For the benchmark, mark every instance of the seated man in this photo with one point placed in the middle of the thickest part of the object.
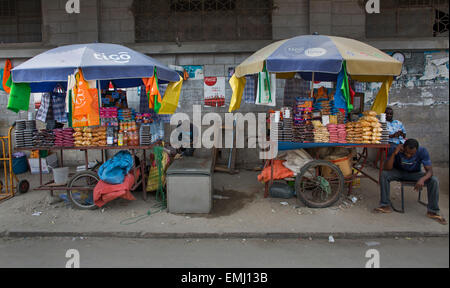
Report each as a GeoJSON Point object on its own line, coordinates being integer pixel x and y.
{"type": "Point", "coordinates": [404, 164]}
{"type": "Point", "coordinates": [397, 133]}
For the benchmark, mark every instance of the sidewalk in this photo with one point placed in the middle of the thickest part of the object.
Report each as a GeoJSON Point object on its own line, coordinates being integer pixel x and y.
{"type": "Point", "coordinates": [246, 214]}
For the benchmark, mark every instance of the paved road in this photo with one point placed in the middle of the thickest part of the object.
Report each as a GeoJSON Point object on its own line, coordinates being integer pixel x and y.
{"type": "Point", "coordinates": [212, 253]}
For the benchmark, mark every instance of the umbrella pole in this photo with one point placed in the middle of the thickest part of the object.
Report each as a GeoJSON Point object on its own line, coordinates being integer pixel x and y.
{"type": "Point", "coordinates": [312, 85]}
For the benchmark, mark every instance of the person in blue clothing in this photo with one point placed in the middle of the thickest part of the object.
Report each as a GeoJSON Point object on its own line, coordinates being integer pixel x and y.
{"type": "Point", "coordinates": [397, 133]}
{"type": "Point", "coordinates": [404, 164]}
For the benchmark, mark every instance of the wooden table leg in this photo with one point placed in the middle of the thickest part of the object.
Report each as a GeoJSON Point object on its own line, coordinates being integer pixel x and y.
{"type": "Point", "coordinates": [383, 154]}
{"type": "Point", "coordinates": [86, 159]}
{"type": "Point", "coordinates": [40, 169]}
{"type": "Point", "coordinates": [144, 187]}
{"type": "Point", "coordinates": [270, 182]}
{"type": "Point", "coordinates": [145, 157]}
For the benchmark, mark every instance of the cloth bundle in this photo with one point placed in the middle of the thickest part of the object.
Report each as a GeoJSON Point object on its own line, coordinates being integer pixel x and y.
{"type": "Point", "coordinates": [99, 136]}
{"type": "Point", "coordinates": [276, 128]}
{"type": "Point", "coordinates": [384, 134]}
{"type": "Point", "coordinates": [108, 116]}
{"type": "Point", "coordinates": [108, 112]}
{"type": "Point", "coordinates": [367, 130]}
{"type": "Point", "coordinates": [126, 114]}
{"type": "Point", "coordinates": [354, 132]}
{"type": "Point", "coordinates": [338, 133]}
{"type": "Point", "coordinates": [323, 106]}
{"type": "Point", "coordinates": [64, 137]}
{"type": "Point", "coordinates": [44, 138]}
{"type": "Point", "coordinates": [303, 130]}
{"type": "Point", "coordinates": [304, 133]}
{"type": "Point", "coordinates": [341, 117]}
{"type": "Point", "coordinates": [83, 137]}
{"type": "Point", "coordinates": [321, 134]}
{"type": "Point", "coordinates": [287, 132]}
{"type": "Point", "coordinates": [372, 130]}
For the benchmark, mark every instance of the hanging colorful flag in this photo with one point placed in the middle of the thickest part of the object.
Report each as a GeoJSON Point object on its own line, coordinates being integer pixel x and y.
{"type": "Point", "coordinates": [153, 94]}
{"type": "Point", "coordinates": [19, 97]}
{"type": "Point", "coordinates": [237, 85]}
{"type": "Point", "coordinates": [382, 98]}
{"type": "Point", "coordinates": [6, 79]}
{"type": "Point", "coordinates": [345, 89]}
{"type": "Point", "coordinates": [171, 98]}
{"type": "Point", "coordinates": [1, 79]}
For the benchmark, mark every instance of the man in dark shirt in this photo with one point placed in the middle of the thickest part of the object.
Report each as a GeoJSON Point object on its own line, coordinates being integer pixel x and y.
{"type": "Point", "coordinates": [404, 164]}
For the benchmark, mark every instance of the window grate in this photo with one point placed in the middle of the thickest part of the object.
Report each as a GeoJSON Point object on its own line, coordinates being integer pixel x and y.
{"type": "Point", "coordinates": [409, 18]}
{"type": "Point", "coordinates": [200, 20]}
{"type": "Point", "coordinates": [7, 8]}
{"type": "Point", "coordinates": [20, 21]}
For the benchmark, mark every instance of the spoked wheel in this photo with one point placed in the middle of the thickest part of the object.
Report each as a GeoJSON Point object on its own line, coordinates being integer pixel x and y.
{"type": "Point", "coordinates": [81, 192]}
{"type": "Point", "coordinates": [319, 184]}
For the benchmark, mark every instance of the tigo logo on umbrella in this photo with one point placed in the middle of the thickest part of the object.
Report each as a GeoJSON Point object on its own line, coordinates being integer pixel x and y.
{"type": "Point", "coordinates": [315, 52]}
{"type": "Point", "coordinates": [121, 57]}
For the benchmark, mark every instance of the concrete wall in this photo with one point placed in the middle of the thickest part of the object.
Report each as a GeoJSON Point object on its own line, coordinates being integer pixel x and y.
{"type": "Point", "coordinates": [290, 18]}
{"type": "Point", "coordinates": [61, 28]}
{"type": "Point", "coordinates": [112, 21]}
{"type": "Point", "coordinates": [420, 100]}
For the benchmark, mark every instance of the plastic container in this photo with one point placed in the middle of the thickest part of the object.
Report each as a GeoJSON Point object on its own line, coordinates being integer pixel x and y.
{"type": "Point", "coordinates": [20, 165]}
{"type": "Point", "coordinates": [61, 175]}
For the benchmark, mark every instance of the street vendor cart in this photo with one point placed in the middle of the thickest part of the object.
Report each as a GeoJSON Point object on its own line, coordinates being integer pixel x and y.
{"type": "Point", "coordinates": [102, 66]}
{"type": "Point", "coordinates": [318, 58]}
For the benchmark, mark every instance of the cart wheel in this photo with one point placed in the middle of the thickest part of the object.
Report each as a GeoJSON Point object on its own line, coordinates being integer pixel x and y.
{"type": "Point", "coordinates": [23, 187]}
{"type": "Point", "coordinates": [319, 184]}
{"type": "Point", "coordinates": [82, 187]}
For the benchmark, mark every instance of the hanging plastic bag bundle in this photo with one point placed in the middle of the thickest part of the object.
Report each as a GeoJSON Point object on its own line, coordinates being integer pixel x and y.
{"type": "Point", "coordinates": [85, 103]}
{"type": "Point", "coordinates": [266, 90]}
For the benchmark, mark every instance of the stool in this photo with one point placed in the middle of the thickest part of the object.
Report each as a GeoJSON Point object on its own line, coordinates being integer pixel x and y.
{"type": "Point", "coordinates": [403, 185]}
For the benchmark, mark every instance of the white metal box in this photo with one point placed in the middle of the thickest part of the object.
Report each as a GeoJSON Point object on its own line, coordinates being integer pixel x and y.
{"type": "Point", "coordinates": [190, 186]}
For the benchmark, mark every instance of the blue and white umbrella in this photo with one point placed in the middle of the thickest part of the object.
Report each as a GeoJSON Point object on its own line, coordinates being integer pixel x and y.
{"type": "Point", "coordinates": [99, 61]}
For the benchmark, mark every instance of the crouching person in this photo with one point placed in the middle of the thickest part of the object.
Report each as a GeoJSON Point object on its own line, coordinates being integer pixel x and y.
{"type": "Point", "coordinates": [404, 164]}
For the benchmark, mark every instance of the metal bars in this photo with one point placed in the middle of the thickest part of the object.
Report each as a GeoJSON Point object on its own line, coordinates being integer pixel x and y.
{"type": "Point", "coordinates": [202, 20]}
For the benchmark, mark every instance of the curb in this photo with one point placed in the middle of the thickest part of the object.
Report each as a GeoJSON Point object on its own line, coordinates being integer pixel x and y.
{"type": "Point", "coordinates": [231, 235]}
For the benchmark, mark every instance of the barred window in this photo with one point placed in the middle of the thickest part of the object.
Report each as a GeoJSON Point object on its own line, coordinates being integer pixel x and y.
{"type": "Point", "coordinates": [409, 18]}
{"type": "Point", "coordinates": [20, 21]}
{"type": "Point", "coordinates": [200, 20]}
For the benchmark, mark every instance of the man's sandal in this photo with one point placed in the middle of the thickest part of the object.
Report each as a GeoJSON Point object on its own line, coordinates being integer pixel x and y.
{"type": "Point", "coordinates": [385, 209]}
{"type": "Point", "coordinates": [438, 218]}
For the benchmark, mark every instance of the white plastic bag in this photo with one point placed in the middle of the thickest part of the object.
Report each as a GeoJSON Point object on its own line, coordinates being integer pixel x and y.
{"type": "Point", "coordinates": [266, 89]}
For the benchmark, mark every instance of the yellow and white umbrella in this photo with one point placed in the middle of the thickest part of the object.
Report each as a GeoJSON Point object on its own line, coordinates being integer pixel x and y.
{"type": "Point", "coordinates": [319, 58]}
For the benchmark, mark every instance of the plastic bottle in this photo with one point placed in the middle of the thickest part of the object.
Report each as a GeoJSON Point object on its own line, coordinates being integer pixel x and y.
{"type": "Point", "coordinates": [161, 131]}
{"type": "Point", "coordinates": [110, 136]}
{"type": "Point", "coordinates": [125, 138]}
{"type": "Point", "coordinates": [120, 140]}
